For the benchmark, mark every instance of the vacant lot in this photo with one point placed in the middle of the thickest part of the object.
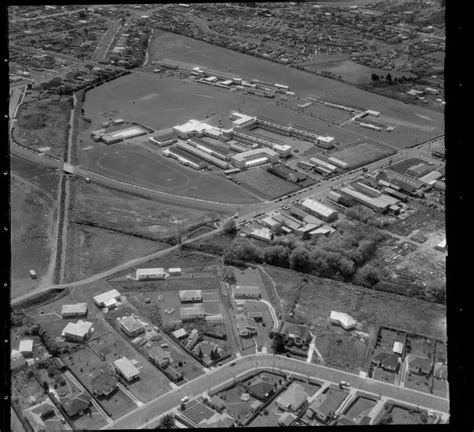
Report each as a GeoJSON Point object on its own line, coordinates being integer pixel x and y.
{"type": "Point", "coordinates": [44, 124]}
{"type": "Point", "coordinates": [33, 198]}
{"type": "Point", "coordinates": [261, 182]}
{"type": "Point", "coordinates": [91, 250]}
{"type": "Point", "coordinates": [110, 208]}
{"type": "Point", "coordinates": [383, 375]}
{"type": "Point", "coordinates": [137, 165]}
{"type": "Point", "coordinates": [362, 154]}
{"type": "Point", "coordinates": [318, 297]}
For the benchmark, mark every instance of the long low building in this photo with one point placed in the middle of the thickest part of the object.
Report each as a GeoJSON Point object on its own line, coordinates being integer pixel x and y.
{"type": "Point", "coordinates": [250, 137]}
{"type": "Point", "coordinates": [377, 203]}
{"type": "Point", "coordinates": [123, 134]}
{"type": "Point", "coordinates": [151, 274]}
{"type": "Point", "coordinates": [261, 155]}
{"type": "Point", "coordinates": [324, 212]}
{"type": "Point", "coordinates": [319, 162]}
{"type": "Point", "coordinates": [184, 158]}
{"type": "Point", "coordinates": [74, 310]}
{"type": "Point", "coordinates": [220, 151]}
{"type": "Point", "coordinates": [204, 155]}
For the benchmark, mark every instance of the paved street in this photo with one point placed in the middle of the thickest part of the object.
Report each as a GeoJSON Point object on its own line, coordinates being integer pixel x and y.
{"type": "Point", "coordinates": [152, 410]}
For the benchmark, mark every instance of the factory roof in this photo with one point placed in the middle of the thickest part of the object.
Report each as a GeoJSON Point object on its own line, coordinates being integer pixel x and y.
{"type": "Point", "coordinates": [318, 207]}
{"type": "Point", "coordinates": [193, 126]}
{"type": "Point", "coordinates": [240, 157]}
{"type": "Point", "coordinates": [376, 202]}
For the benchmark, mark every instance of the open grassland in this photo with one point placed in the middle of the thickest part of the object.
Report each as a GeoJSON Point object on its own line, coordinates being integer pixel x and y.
{"type": "Point", "coordinates": [176, 47]}
{"type": "Point", "coordinates": [121, 211]}
{"type": "Point", "coordinates": [317, 297]}
{"type": "Point", "coordinates": [33, 207]}
{"type": "Point", "coordinates": [44, 124]}
{"type": "Point", "coordinates": [91, 250]}
{"type": "Point", "coordinates": [137, 165]}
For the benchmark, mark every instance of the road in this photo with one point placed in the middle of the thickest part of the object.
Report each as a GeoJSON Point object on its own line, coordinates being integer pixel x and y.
{"type": "Point", "coordinates": [151, 411]}
{"type": "Point", "coordinates": [104, 45]}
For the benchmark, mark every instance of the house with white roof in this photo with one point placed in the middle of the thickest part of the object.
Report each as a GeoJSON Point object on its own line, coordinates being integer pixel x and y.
{"type": "Point", "coordinates": [342, 319]}
{"type": "Point", "coordinates": [78, 332]}
{"type": "Point", "coordinates": [108, 299]}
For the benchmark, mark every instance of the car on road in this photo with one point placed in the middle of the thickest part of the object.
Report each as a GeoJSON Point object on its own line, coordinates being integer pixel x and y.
{"type": "Point", "coordinates": [343, 384]}
{"type": "Point", "coordinates": [233, 363]}
{"type": "Point", "coordinates": [184, 399]}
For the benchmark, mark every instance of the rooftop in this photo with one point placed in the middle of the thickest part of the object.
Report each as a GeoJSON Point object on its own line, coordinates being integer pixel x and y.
{"type": "Point", "coordinates": [77, 309]}
{"type": "Point", "coordinates": [318, 207]}
{"type": "Point", "coordinates": [107, 296]}
{"type": "Point", "coordinates": [126, 368]}
{"type": "Point", "coordinates": [293, 397]}
{"type": "Point", "coordinates": [80, 329]}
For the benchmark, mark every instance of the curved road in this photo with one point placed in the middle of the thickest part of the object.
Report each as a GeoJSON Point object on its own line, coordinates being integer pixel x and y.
{"type": "Point", "coordinates": [152, 411]}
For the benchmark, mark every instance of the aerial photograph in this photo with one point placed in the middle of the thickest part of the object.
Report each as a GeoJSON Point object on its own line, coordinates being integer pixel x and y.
{"type": "Point", "coordinates": [227, 215]}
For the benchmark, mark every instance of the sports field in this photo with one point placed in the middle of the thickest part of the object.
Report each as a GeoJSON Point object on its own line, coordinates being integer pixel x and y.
{"type": "Point", "coordinates": [140, 166]}
{"type": "Point", "coordinates": [169, 45]}
{"type": "Point", "coordinates": [362, 154]}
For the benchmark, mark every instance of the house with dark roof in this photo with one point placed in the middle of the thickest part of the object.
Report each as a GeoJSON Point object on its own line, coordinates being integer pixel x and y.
{"type": "Point", "coordinates": [217, 403]}
{"type": "Point", "coordinates": [104, 383]}
{"type": "Point", "coordinates": [76, 406]}
{"type": "Point", "coordinates": [391, 362]}
{"type": "Point", "coordinates": [326, 404]}
{"type": "Point", "coordinates": [159, 357]}
{"type": "Point", "coordinates": [299, 334]}
{"type": "Point", "coordinates": [419, 365]}
{"type": "Point", "coordinates": [260, 389]}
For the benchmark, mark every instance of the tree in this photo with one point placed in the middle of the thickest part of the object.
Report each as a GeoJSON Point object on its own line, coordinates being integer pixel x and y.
{"type": "Point", "coordinates": [368, 276]}
{"type": "Point", "coordinates": [277, 229]}
{"type": "Point", "coordinates": [167, 422]}
{"type": "Point", "coordinates": [276, 255]}
{"type": "Point", "coordinates": [230, 226]}
{"type": "Point", "coordinates": [374, 77]}
{"type": "Point", "coordinates": [299, 259]}
{"type": "Point", "coordinates": [388, 77]}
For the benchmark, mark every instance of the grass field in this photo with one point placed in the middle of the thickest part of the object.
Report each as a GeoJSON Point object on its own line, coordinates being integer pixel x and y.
{"type": "Point", "coordinates": [320, 296]}
{"type": "Point", "coordinates": [260, 181]}
{"type": "Point", "coordinates": [33, 207]}
{"type": "Point", "coordinates": [135, 164]}
{"type": "Point", "coordinates": [176, 47]}
{"type": "Point", "coordinates": [44, 124]}
{"type": "Point", "coordinates": [91, 250]}
{"type": "Point", "coordinates": [114, 209]}
{"type": "Point", "coordinates": [362, 154]}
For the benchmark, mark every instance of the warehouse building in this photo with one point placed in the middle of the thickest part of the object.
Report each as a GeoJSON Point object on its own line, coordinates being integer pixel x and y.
{"type": "Point", "coordinates": [123, 134]}
{"type": "Point", "coordinates": [304, 133]}
{"type": "Point", "coordinates": [126, 369]}
{"type": "Point", "coordinates": [431, 178]}
{"type": "Point", "coordinates": [380, 204]}
{"type": "Point", "coordinates": [242, 120]}
{"type": "Point", "coordinates": [339, 163]}
{"type": "Point", "coordinates": [274, 125]}
{"type": "Point", "coordinates": [249, 137]}
{"type": "Point", "coordinates": [193, 127]}
{"type": "Point", "coordinates": [367, 190]}
{"type": "Point", "coordinates": [319, 162]}
{"type": "Point", "coordinates": [325, 142]}
{"type": "Point", "coordinates": [205, 155]}
{"type": "Point", "coordinates": [219, 151]}
{"type": "Point", "coordinates": [184, 158]}
{"type": "Point", "coordinates": [287, 221]}
{"type": "Point", "coordinates": [254, 157]}
{"type": "Point", "coordinates": [419, 170]}
{"type": "Point", "coordinates": [163, 138]}
{"type": "Point", "coordinates": [327, 214]}
{"type": "Point", "coordinates": [74, 310]}
{"type": "Point", "coordinates": [108, 299]}
{"type": "Point", "coordinates": [395, 194]}
{"type": "Point", "coordinates": [151, 274]}
{"type": "Point", "coordinates": [287, 173]}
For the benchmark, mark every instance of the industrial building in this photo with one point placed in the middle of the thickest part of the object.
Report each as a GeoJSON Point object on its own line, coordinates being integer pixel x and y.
{"type": "Point", "coordinates": [126, 369]}
{"type": "Point", "coordinates": [163, 138]}
{"type": "Point", "coordinates": [250, 137]}
{"type": "Point", "coordinates": [194, 127]}
{"type": "Point", "coordinates": [319, 162]}
{"type": "Point", "coordinates": [365, 189]}
{"type": "Point", "coordinates": [419, 170]}
{"type": "Point", "coordinates": [151, 274]}
{"type": "Point", "coordinates": [339, 163]}
{"type": "Point", "coordinates": [254, 157]}
{"type": "Point", "coordinates": [198, 150]}
{"type": "Point", "coordinates": [123, 134]}
{"type": "Point", "coordinates": [274, 125]}
{"type": "Point", "coordinates": [327, 214]}
{"type": "Point", "coordinates": [184, 158]}
{"type": "Point", "coordinates": [378, 203]}
{"type": "Point", "coordinates": [287, 173]}
{"type": "Point", "coordinates": [74, 310]}
{"type": "Point", "coordinates": [219, 151]}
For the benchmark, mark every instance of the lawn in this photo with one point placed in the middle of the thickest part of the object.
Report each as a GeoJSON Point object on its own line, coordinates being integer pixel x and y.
{"type": "Point", "coordinates": [362, 154]}
{"type": "Point", "coordinates": [91, 250]}
{"type": "Point", "coordinates": [440, 388]}
{"type": "Point", "coordinates": [43, 124]}
{"type": "Point", "coordinates": [418, 382]}
{"type": "Point", "coordinates": [33, 201]}
{"type": "Point", "coordinates": [401, 415]}
{"type": "Point", "coordinates": [386, 339]}
{"type": "Point", "coordinates": [129, 213]}
{"type": "Point", "coordinates": [26, 392]}
{"type": "Point", "coordinates": [420, 346]}
{"type": "Point", "coordinates": [259, 181]}
{"type": "Point", "coordinates": [237, 408]}
{"type": "Point", "coordinates": [318, 297]}
{"type": "Point", "coordinates": [382, 375]}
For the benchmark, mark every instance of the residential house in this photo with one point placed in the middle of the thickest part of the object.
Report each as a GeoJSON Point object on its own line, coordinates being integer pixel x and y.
{"type": "Point", "coordinates": [286, 419]}
{"type": "Point", "coordinates": [298, 334]}
{"type": "Point", "coordinates": [17, 361]}
{"type": "Point", "coordinates": [159, 357]}
{"type": "Point", "coordinates": [247, 292]}
{"type": "Point", "coordinates": [419, 365]}
{"type": "Point", "coordinates": [441, 371]}
{"type": "Point", "coordinates": [180, 333]}
{"type": "Point", "coordinates": [325, 405]}
{"type": "Point", "coordinates": [342, 319]}
{"type": "Point", "coordinates": [108, 299]}
{"type": "Point", "coordinates": [293, 398]}
{"type": "Point", "coordinates": [76, 406]}
{"type": "Point", "coordinates": [190, 296]}
{"type": "Point", "coordinates": [74, 310]}
{"type": "Point", "coordinates": [398, 348]}
{"type": "Point", "coordinates": [78, 332]}
{"type": "Point", "coordinates": [192, 312]}
{"type": "Point", "coordinates": [104, 383]}
{"type": "Point", "coordinates": [126, 369]}
{"type": "Point", "coordinates": [217, 403]}
{"type": "Point", "coordinates": [192, 340]}
{"type": "Point", "coordinates": [245, 326]}
{"type": "Point", "coordinates": [26, 347]}
{"type": "Point", "coordinates": [131, 326]}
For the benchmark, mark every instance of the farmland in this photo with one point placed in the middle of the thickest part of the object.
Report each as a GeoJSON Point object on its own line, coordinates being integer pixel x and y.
{"type": "Point", "coordinates": [33, 214]}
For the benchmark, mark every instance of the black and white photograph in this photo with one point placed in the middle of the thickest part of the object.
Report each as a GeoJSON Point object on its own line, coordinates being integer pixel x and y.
{"type": "Point", "coordinates": [227, 215]}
